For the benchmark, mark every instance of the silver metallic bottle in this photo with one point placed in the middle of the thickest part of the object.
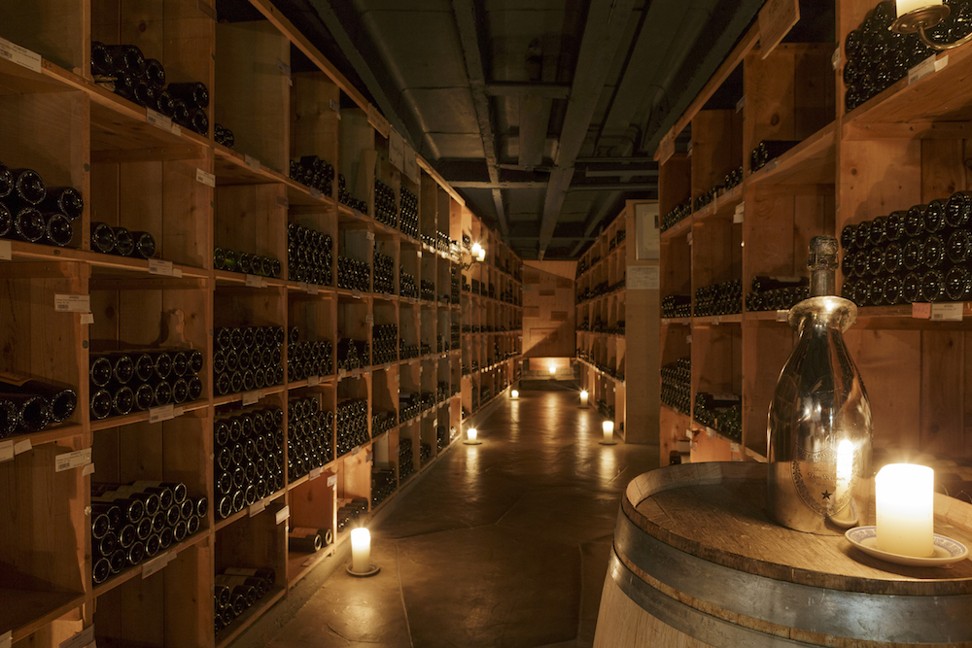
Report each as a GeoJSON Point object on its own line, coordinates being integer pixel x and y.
{"type": "Point", "coordinates": [819, 427]}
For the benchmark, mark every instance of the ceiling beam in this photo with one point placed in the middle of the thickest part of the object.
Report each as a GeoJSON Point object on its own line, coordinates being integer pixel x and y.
{"type": "Point", "coordinates": [467, 23]}
{"type": "Point", "coordinates": [532, 88]}
{"type": "Point", "coordinates": [500, 184]}
{"type": "Point", "coordinates": [605, 22]}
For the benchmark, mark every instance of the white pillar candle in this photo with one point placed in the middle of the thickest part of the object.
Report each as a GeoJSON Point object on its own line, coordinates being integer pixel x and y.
{"type": "Point", "coordinates": [552, 369]}
{"type": "Point", "coordinates": [608, 428]}
{"type": "Point", "coordinates": [845, 469]}
{"type": "Point", "coordinates": [514, 393]}
{"type": "Point", "coordinates": [905, 496]}
{"type": "Point", "coordinates": [583, 397]}
{"type": "Point", "coordinates": [471, 434]}
{"type": "Point", "coordinates": [360, 550]}
{"type": "Point", "coordinates": [905, 6]}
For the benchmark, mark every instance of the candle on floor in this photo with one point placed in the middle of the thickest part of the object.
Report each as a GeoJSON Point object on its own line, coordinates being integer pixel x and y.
{"type": "Point", "coordinates": [905, 6]}
{"type": "Point", "coordinates": [608, 428]}
{"type": "Point", "coordinates": [583, 397]}
{"type": "Point", "coordinates": [471, 434]}
{"type": "Point", "coordinates": [514, 394]}
{"type": "Point", "coordinates": [360, 550]}
{"type": "Point", "coordinates": [552, 369]}
{"type": "Point", "coordinates": [905, 496]}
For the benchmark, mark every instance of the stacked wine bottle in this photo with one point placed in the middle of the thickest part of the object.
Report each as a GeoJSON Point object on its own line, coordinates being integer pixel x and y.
{"type": "Point", "coordinates": [133, 522]}
{"type": "Point", "coordinates": [247, 358]}
{"type": "Point", "coordinates": [406, 465]}
{"type": "Point", "coordinates": [454, 283]}
{"type": "Point", "coordinates": [426, 290]}
{"type": "Point", "coordinates": [722, 413]}
{"type": "Point", "coordinates": [33, 212]}
{"type": "Point", "coordinates": [309, 255]}
{"type": "Point", "coordinates": [720, 298]}
{"type": "Point", "coordinates": [676, 385]}
{"type": "Point", "coordinates": [123, 382]}
{"type": "Point", "coordinates": [313, 172]}
{"type": "Point", "coordinates": [383, 483]}
{"type": "Point", "coordinates": [768, 150]}
{"type": "Point", "coordinates": [441, 437]}
{"type": "Point", "coordinates": [408, 217]}
{"type": "Point", "coordinates": [353, 274]}
{"type": "Point", "coordinates": [224, 136]}
{"type": "Point", "coordinates": [120, 241]}
{"type": "Point", "coordinates": [384, 273]}
{"type": "Point", "coordinates": [384, 343]}
{"type": "Point", "coordinates": [352, 425]}
{"type": "Point", "coordinates": [386, 207]}
{"type": "Point", "coordinates": [350, 510]}
{"type": "Point", "coordinates": [919, 255]}
{"type": "Point", "coordinates": [425, 452]}
{"type": "Point", "coordinates": [308, 539]}
{"type": "Point", "coordinates": [345, 197]}
{"type": "Point", "coordinates": [454, 334]}
{"type": "Point", "coordinates": [248, 451]}
{"type": "Point", "coordinates": [406, 285]}
{"type": "Point", "coordinates": [309, 434]}
{"type": "Point", "coordinates": [382, 421]}
{"type": "Point", "coordinates": [306, 358]}
{"type": "Point", "coordinates": [246, 263]}
{"type": "Point", "coordinates": [237, 589]}
{"type": "Point", "coordinates": [407, 350]}
{"type": "Point", "coordinates": [676, 214]}
{"type": "Point", "coordinates": [29, 404]}
{"type": "Point", "coordinates": [353, 354]}
{"type": "Point", "coordinates": [143, 80]}
{"type": "Point", "coordinates": [776, 293]}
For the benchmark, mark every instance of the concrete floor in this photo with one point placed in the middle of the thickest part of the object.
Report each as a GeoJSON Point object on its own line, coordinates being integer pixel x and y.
{"type": "Point", "coordinates": [501, 544]}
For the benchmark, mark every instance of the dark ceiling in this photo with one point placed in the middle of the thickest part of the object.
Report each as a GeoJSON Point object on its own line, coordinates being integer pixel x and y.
{"type": "Point", "coordinates": [543, 114]}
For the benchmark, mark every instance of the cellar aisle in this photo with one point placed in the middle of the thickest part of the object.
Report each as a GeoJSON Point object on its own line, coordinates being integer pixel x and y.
{"type": "Point", "coordinates": [500, 544]}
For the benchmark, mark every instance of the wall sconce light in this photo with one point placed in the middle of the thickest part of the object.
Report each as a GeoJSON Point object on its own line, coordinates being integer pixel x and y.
{"type": "Point", "coordinates": [918, 16]}
{"type": "Point", "coordinates": [472, 437]}
{"type": "Point", "coordinates": [361, 564]}
{"type": "Point", "coordinates": [584, 396]}
{"type": "Point", "coordinates": [477, 254]}
{"type": "Point", "coordinates": [607, 428]}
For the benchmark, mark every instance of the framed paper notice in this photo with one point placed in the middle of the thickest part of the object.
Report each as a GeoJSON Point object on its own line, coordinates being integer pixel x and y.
{"type": "Point", "coordinates": [647, 239]}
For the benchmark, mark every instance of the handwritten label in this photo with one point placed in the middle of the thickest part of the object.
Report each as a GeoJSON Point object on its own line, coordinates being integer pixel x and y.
{"type": "Point", "coordinates": [256, 508]}
{"type": "Point", "coordinates": [947, 312]}
{"type": "Point", "coordinates": [87, 318]}
{"type": "Point", "coordinates": [6, 451]}
{"type": "Point", "coordinates": [157, 564]}
{"type": "Point", "coordinates": [160, 267]}
{"type": "Point", "coordinates": [83, 639]}
{"type": "Point", "coordinates": [6, 251]}
{"type": "Point", "coordinates": [737, 216]}
{"type": "Point", "coordinates": [164, 413]}
{"type": "Point", "coordinates": [206, 178]}
{"type": "Point", "coordinates": [313, 381]}
{"type": "Point", "coordinates": [70, 460]}
{"type": "Point", "coordinates": [88, 470]}
{"type": "Point", "coordinates": [158, 120]}
{"type": "Point", "coordinates": [642, 277]}
{"type": "Point", "coordinates": [930, 65]}
{"type": "Point", "coordinates": [776, 18]}
{"type": "Point", "coordinates": [283, 515]}
{"type": "Point", "coordinates": [255, 281]}
{"type": "Point", "coordinates": [20, 55]}
{"type": "Point", "coordinates": [331, 481]}
{"type": "Point", "coordinates": [921, 311]}
{"type": "Point", "coordinates": [315, 473]}
{"type": "Point", "coordinates": [251, 397]}
{"type": "Point", "coordinates": [72, 303]}
{"type": "Point", "coordinates": [835, 59]}
{"type": "Point", "coordinates": [22, 446]}
{"type": "Point", "coordinates": [252, 162]}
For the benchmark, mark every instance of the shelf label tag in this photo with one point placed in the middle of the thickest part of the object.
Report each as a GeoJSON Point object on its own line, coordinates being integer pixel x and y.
{"type": "Point", "coordinates": [310, 289]}
{"type": "Point", "coordinates": [331, 481]}
{"type": "Point", "coordinates": [782, 315]}
{"type": "Point", "coordinates": [157, 564]}
{"type": "Point", "coordinates": [70, 460]}
{"type": "Point", "coordinates": [158, 120]}
{"type": "Point", "coordinates": [356, 294]}
{"type": "Point", "coordinates": [206, 178]}
{"type": "Point", "coordinates": [835, 59]}
{"type": "Point", "coordinates": [317, 194]}
{"type": "Point", "coordinates": [315, 473]}
{"type": "Point", "coordinates": [255, 281]}
{"type": "Point", "coordinates": [734, 447]}
{"type": "Point", "coordinates": [258, 507]}
{"type": "Point", "coordinates": [87, 318]}
{"type": "Point", "coordinates": [371, 236]}
{"type": "Point", "coordinates": [83, 639]}
{"type": "Point", "coordinates": [72, 303]}
{"type": "Point", "coordinates": [161, 267]}
{"type": "Point", "coordinates": [741, 104]}
{"type": "Point", "coordinates": [688, 238]}
{"type": "Point", "coordinates": [920, 310]}
{"type": "Point", "coordinates": [930, 65]}
{"type": "Point", "coordinates": [251, 397]}
{"type": "Point", "coordinates": [6, 251]}
{"type": "Point", "coordinates": [951, 312]}
{"type": "Point", "coordinates": [737, 216]}
{"type": "Point", "coordinates": [164, 413]}
{"type": "Point", "coordinates": [6, 451]}
{"type": "Point", "coordinates": [21, 56]}
{"type": "Point", "coordinates": [355, 450]}
{"type": "Point", "coordinates": [283, 515]}
{"type": "Point", "coordinates": [88, 470]}
{"type": "Point", "coordinates": [333, 105]}
{"type": "Point", "coordinates": [313, 381]}
{"type": "Point", "coordinates": [252, 162]}
{"type": "Point", "coordinates": [22, 446]}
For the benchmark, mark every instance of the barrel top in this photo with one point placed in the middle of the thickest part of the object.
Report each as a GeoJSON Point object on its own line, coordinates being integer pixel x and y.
{"type": "Point", "coordinates": [717, 511]}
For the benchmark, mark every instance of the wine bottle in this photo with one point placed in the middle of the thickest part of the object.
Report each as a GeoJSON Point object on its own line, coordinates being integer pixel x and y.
{"type": "Point", "coordinates": [29, 225]}
{"type": "Point", "coordinates": [63, 398]}
{"type": "Point", "coordinates": [124, 243]}
{"type": "Point", "coordinates": [958, 210]}
{"type": "Point", "coordinates": [66, 200]}
{"type": "Point", "coordinates": [58, 229]}
{"type": "Point", "coordinates": [305, 540]}
{"type": "Point", "coordinates": [154, 73]}
{"type": "Point", "coordinates": [6, 221]}
{"type": "Point", "coordinates": [191, 92]}
{"type": "Point", "coordinates": [34, 411]}
{"type": "Point", "coordinates": [102, 237]}
{"type": "Point", "coordinates": [28, 186]}
{"type": "Point", "coordinates": [126, 58]}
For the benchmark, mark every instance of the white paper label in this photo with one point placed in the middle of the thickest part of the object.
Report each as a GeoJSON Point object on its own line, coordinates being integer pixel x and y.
{"type": "Point", "coordinates": [6, 451]}
{"type": "Point", "coordinates": [206, 178]}
{"type": "Point", "coordinates": [87, 318]}
{"type": "Point", "coordinates": [356, 294]}
{"type": "Point", "coordinates": [929, 66]}
{"type": "Point", "coordinates": [251, 397]}
{"type": "Point", "coordinates": [164, 413]}
{"type": "Point", "coordinates": [6, 251]}
{"type": "Point", "coordinates": [316, 193]}
{"type": "Point", "coordinates": [283, 515]}
{"type": "Point", "coordinates": [737, 216]}
{"type": "Point", "coordinates": [158, 120]}
{"type": "Point", "coordinates": [255, 281]}
{"type": "Point", "coordinates": [418, 253]}
{"type": "Point", "coordinates": [947, 312]}
{"type": "Point", "coordinates": [83, 639]}
{"type": "Point", "coordinates": [6, 639]}
{"type": "Point", "coordinates": [252, 162]}
{"type": "Point", "coordinates": [921, 310]}
{"type": "Point", "coordinates": [740, 104]}
{"type": "Point", "coordinates": [331, 481]}
{"type": "Point", "coordinates": [333, 105]}
{"type": "Point", "coordinates": [21, 56]}
{"type": "Point", "coordinates": [313, 381]}
{"type": "Point", "coordinates": [72, 303]}
{"type": "Point", "coordinates": [355, 450]}
{"type": "Point", "coordinates": [734, 447]}
{"type": "Point", "coordinates": [160, 267]}
{"type": "Point", "coordinates": [70, 460]}
{"type": "Point", "coordinates": [88, 470]}
{"type": "Point", "coordinates": [315, 473]}
{"type": "Point", "coordinates": [835, 59]}
{"type": "Point", "coordinates": [371, 236]}
{"type": "Point", "coordinates": [258, 507]}
{"type": "Point", "coordinates": [782, 315]}
{"type": "Point", "coordinates": [688, 238]}
{"type": "Point", "coordinates": [22, 446]}
{"type": "Point", "coordinates": [156, 564]}
{"type": "Point", "coordinates": [311, 289]}
{"type": "Point", "coordinates": [642, 278]}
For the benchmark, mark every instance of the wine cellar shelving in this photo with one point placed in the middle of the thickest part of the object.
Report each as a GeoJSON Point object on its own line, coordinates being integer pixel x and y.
{"type": "Point", "coordinates": [817, 156]}
{"type": "Point", "coordinates": [313, 403]}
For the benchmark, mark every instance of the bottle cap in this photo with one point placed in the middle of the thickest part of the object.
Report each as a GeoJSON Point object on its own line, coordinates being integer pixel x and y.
{"type": "Point", "coordinates": [823, 253]}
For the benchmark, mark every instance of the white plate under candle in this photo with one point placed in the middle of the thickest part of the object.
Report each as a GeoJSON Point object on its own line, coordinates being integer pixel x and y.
{"type": "Point", "coordinates": [947, 551]}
